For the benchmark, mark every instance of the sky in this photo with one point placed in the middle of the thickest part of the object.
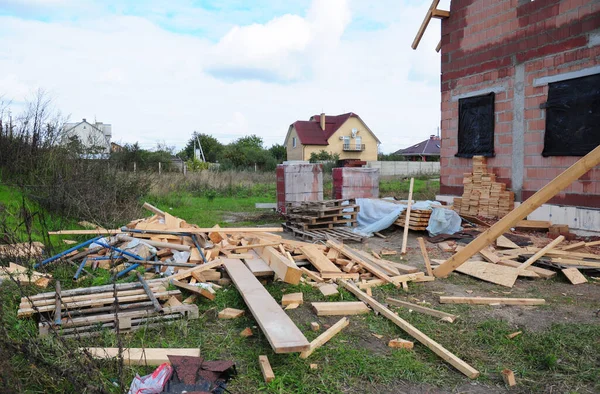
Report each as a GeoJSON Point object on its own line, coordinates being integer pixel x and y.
{"type": "Point", "coordinates": [159, 70]}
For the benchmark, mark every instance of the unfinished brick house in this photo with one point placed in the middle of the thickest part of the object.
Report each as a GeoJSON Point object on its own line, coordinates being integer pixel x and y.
{"type": "Point", "coordinates": [520, 85]}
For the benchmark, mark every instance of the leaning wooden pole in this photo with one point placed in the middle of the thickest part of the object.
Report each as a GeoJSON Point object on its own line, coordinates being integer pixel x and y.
{"type": "Point", "coordinates": [558, 184]}
{"type": "Point", "coordinates": [407, 222]}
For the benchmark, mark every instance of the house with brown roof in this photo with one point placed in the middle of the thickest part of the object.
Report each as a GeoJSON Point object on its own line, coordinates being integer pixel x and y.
{"type": "Point", "coordinates": [346, 134]}
{"type": "Point", "coordinates": [428, 150]}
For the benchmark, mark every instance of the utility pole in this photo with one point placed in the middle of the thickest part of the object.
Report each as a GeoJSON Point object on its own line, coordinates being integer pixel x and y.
{"type": "Point", "coordinates": [200, 147]}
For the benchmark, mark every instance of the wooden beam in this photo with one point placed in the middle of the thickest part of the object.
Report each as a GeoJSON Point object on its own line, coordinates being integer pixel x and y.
{"type": "Point", "coordinates": [540, 253]}
{"type": "Point", "coordinates": [424, 24]}
{"type": "Point", "coordinates": [421, 309]}
{"type": "Point", "coordinates": [533, 224]}
{"type": "Point", "coordinates": [407, 221]}
{"type": "Point", "coordinates": [153, 209]}
{"type": "Point", "coordinates": [344, 308]}
{"type": "Point", "coordinates": [325, 337]}
{"type": "Point", "coordinates": [413, 331]}
{"type": "Point", "coordinates": [425, 256]}
{"type": "Point", "coordinates": [141, 356]}
{"type": "Point", "coordinates": [284, 268]}
{"type": "Point", "coordinates": [206, 293]}
{"type": "Point", "coordinates": [279, 329]}
{"type": "Point", "coordinates": [318, 259]}
{"type": "Point", "coordinates": [416, 277]}
{"type": "Point", "coordinates": [440, 14]}
{"type": "Point", "coordinates": [266, 369]}
{"type": "Point", "coordinates": [559, 183]}
{"type": "Point", "coordinates": [574, 246]}
{"type": "Point", "coordinates": [491, 300]}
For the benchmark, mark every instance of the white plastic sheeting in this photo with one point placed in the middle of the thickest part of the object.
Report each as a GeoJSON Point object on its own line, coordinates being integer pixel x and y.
{"type": "Point", "coordinates": [378, 214]}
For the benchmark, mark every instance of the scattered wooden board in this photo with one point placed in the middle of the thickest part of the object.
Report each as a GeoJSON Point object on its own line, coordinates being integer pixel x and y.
{"type": "Point", "coordinates": [280, 330]}
{"type": "Point", "coordinates": [491, 300]}
{"type": "Point", "coordinates": [231, 313]}
{"type": "Point", "coordinates": [540, 253]}
{"type": "Point", "coordinates": [503, 242]}
{"type": "Point", "coordinates": [413, 331]}
{"type": "Point", "coordinates": [345, 308]}
{"type": "Point", "coordinates": [292, 298]}
{"type": "Point", "coordinates": [421, 309]}
{"type": "Point", "coordinates": [325, 337]}
{"type": "Point", "coordinates": [574, 276]}
{"type": "Point", "coordinates": [285, 269]}
{"type": "Point", "coordinates": [318, 259]}
{"type": "Point", "coordinates": [328, 289]}
{"type": "Point", "coordinates": [204, 292]}
{"type": "Point", "coordinates": [141, 356]}
{"type": "Point", "coordinates": [425, 256]}
{"type": "Point", "coordinates": [266, 369]}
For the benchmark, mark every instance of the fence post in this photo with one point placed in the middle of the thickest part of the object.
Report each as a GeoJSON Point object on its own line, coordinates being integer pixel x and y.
{"type": "Point", "coordinates": [159, 167]}
{"type": "Point", "coordinates": [134, 166]}
{"type": "Point", "coordinates": [184, 169]}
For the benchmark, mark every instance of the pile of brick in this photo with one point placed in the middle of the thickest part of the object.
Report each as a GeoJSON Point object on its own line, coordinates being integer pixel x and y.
{"type": "Point", "coordinates": [482, 195]}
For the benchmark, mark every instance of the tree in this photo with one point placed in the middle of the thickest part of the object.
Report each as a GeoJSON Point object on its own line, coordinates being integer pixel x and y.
{"type": "Point", "coordinates": [211, 147]}
{"type": "Point", "coordinates": [279, 152]}
{"type": "Point", "coordinates": [322, 155]}
{"type": "Point", "coordinates": [249, 141]}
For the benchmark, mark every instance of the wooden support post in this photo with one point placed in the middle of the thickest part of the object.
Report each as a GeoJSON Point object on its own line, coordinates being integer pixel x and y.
{"type": "Point", "coordinates": [559, 183]}
{"type": "Point", "coordinates": [413, 331]}
{"type": "Point", "coordinates": [159, 167]}
{"type": "Point", "coordinates": [425, 256]}
{"type": "Point", "coordinates": [407, 222]}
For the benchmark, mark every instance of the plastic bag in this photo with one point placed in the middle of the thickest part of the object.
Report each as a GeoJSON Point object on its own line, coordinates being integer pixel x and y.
{"type": "Point", "coordinates": [153, 383]}
{"type": "Point", "coordinates": [443, 221]}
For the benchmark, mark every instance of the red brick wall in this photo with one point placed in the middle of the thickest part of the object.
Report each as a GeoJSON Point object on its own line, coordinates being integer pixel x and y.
{"type": "Point", "coordinates": [482, 42]}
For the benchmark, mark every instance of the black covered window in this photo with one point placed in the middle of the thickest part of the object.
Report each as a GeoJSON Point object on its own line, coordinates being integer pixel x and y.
{"type": "Point", "coordinates": [476, 126]}
{"type": "Point", "coordinates": [572, 117]}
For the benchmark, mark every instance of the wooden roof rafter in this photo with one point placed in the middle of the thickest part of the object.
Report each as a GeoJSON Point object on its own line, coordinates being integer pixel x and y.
{"type": "Point", "coordinates": [432, 12]}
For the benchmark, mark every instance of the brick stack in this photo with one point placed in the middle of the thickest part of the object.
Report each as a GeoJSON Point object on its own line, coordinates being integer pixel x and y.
{"type": "Point", "coordinates": [350, 182]}
{"type": "Point", "coordinates": [297, 182]}
{"type": "Point", "coordinates": [482, 195]}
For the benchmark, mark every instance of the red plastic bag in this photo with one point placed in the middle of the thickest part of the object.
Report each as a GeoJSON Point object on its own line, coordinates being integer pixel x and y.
{"type": "Point", "coordinates": [153, 383]}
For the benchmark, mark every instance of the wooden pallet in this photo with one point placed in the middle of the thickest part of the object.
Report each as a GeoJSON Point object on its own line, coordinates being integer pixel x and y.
{"type": "Point", "coordinates": [324, 219]}
{"type": "Point", "coordinates": [326, 225]}
{"type": "Point", "coordinates": [338, 233]}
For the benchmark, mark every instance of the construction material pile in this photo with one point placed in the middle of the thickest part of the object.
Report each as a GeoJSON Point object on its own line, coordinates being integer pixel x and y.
{"type": "Point", "coordinates": [319, 220]}
{"type": "Point", "coordinates": [482, 195]}
{"type": "Point", "coordinates": [417, 221]}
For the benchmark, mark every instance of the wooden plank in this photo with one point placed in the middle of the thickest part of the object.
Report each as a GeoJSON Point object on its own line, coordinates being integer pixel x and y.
{"type": "Point", "coordinates": [421, 309]}
{"type": "Point", "coordinates": [279, 329]}
{"type": "Point", "coordinates": [231, 313]}
{"type": "Point", "coordinates": [87, 232]}
{"type": "Point", "coordinates": [292, 298]}
{"type": "Point", "coordinates": [187, 273]}
{"type": "Point", "coordinates": [574, 246]}
{"type": "Point", "coordinates": [312, 275]}
{"type": "Point", "coordinates": [541, 272]}
{"type": "Point", "coordinates": [594, 243]}
{"type": "Point", "coordinates": [491, 300]}
{"type": "Point", "coordinates": [540, 253]}
{"type": "Point", "coordinates": [509, 377]}
{"type": "Point", "coordinates": [318, 259]}
{"type": "Point", "coordinates": [344, 308]}
{"type": "Point", "coordinates": [400, 343]}
{"type": "Point", "coordinates": [328, 289]}
{"type": "Point", "coordinates": [141, 356]}
{"type": "Point", "coordinates": [153, 209]}
{"type": "Point", "coordinates": [574, 276]}
{"type": "Point", "coordinates": [407, 220]}
{"type": "Point", "coordinates": [413, 331]}
{"type": "Point", "coordinates": [285, 269]}
{"type": "Point", "coordinates": [258, 267]}
{"type": "Point", "coordinates": [489, 255]}
{"type": "Point", "coordinates": [266, 369]}
{"type": "Point", "coordinates": [440, 14]}
{"type": "Point", "coordinates": [425, 256]}
{"type": "Point", "coordinates": [400, 278]}
{"type": "Point", "coordinates": [533, 224]}
{"type": "Point", "coordinates": [494, 273]}
{"type": "Point", "coordinates": [340, 275]}
{"type": "Point", "coordinates": [325, 337]}
{"type": "Point", "coordinates": [559, 183]}
{"type": "Point", "coordinates": [380, 263]}
{"type": "Point", "coordinates": [503, 242]}
{"type": "Point", "coordinates": [204, 292]}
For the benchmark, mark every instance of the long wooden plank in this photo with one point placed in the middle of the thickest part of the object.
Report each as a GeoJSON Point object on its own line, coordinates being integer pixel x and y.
{"type": "Point", "coordinates": [141, 356]}
{"type": "Point", "coordinates": [541, 272]}
{"type": "Point", "coordinates": [318, 259]}
{"type": "Point", "coordinates": [424, 24]}
{"type": "Point", "coordinates": [325, 337]}
{"type": "Point", "coordinates": [279, 329]}
{"type": "Point", "coordinates": [407, 220]}
{"type": "Point", "coordinates": [425, 256]}
{"type": "Point", "coordinates": [491, 300]}
{"type": "Point", "coordinates": [559, 183]}
{"type": "Point", "coordinates": [540, 253]}
{"type": "Point", "coordinates": [422, 309]}
{"type": "Point", "coordinates": [226, 230]}
{"type": "Point", "coordinates": [344, 308]}
{"type": "Point", "coordinates": [416, 277]}
{"type": "Point", "coordinates": [435, 347]}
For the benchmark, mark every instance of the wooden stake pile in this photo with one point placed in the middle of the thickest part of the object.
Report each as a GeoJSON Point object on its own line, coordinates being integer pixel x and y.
{"type": "Point", "coordinates": [482, 195]}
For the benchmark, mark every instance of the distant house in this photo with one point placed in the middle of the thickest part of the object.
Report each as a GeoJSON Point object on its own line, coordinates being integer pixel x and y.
{"type": "Point", "coordinates": [95, 136]}
{"type": "Point", "coordinates": [346, 135]}
{"type": "Point", "coordinates": [114, 147]}
{"type": "Point", "coordinates": [428, 150]}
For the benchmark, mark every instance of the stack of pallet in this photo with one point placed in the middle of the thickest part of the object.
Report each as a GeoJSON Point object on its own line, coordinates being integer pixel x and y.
{"type": "Point", "coordinates": [317, 220]}
{"type": "Point", "coordinates": [87, 311]}
{"type": "Point", "coordinates": [482, 195]}
{"type": "Point", "coordinates": [419, 219]}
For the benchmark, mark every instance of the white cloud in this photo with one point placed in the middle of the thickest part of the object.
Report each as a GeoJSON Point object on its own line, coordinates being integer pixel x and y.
{"type": "Point", "coordinates": [153, 85]}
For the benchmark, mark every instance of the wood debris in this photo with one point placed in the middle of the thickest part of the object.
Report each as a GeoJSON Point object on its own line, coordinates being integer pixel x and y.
{"type": "Point", "coordinates": [231, 313]}
{"type": "Point", "coordinates": [325, 337]}
{"type": "Point", "coordinates": [266, 369]}
{"type": "Point", "coordinates": [399, 343]}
